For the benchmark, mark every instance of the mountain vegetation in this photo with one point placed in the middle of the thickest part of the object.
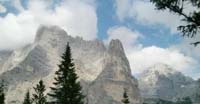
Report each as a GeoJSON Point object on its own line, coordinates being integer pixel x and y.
{"type": "Point", "coordinates": [27, 98]}
{"type": "Point", "coordinates": [185, 100]}
{"type": "Point", "coordinates": [2, 93]}
{"type": "Point", "coordinates": [67, 88]}
{"type": "Point", "coordinates": [39, 97]}
{"type": "Point", "coordinates": [125, 99]}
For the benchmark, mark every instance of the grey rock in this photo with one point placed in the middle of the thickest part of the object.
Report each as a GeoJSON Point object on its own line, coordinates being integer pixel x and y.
{"type": "Point", "coordinates": [103, 72]}
{"type": "Point", "coordinates": [109, 86]}
{"type": "Point", "coordinates": [162, 82]}
{"type": "Point", "coordinates": [4, 55]}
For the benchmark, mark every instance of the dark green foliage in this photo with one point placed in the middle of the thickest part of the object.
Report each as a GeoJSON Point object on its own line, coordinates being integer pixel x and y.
{"type": "Point", "coordinates": [66, 90]}
{"type": "Point", "coordinates": [39, 97]}
{"type": "Point", "coordinates": [125, 99]}
{"type": "Point", "coordinates": [157, 101]}
{"type": "Point", "coordinates": [192, 19]}
{"type": "Point", "coordinates": [27, 99]}
{"type": "Point", "coordinates": [197, 94]}
{"type": "Point", "coordinates": [2, 95]}
{"type": "Point", "coordinates": [160, 101]}
{"type": "Point", "coordinates": [185, 100]}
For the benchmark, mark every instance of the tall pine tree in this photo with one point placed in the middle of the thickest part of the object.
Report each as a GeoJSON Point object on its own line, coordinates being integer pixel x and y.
{"type": "Point", "coordinates": [66, 90]}
{"type": "Point", "coordinates": [2, 95]}
{"type": "Point", "coordinates": [125, 99]}
{"type": "Point", "coordinates": [38, 96]}
{"type": "Point", "coordinates": [27, 99]}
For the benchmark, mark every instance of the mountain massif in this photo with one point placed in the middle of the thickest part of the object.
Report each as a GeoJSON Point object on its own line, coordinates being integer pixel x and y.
{"type": "Point", "coordinates": [103, 71]}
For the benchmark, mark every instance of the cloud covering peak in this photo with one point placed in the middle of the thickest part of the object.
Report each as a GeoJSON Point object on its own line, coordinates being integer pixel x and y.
{"type": "Point", "coordinates": [77, 17]}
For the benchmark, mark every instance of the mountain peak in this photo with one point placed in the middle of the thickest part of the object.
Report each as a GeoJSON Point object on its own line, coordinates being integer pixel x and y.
{"type": "Point", "coordinates": [116, 48]}
{"type": "Point", "coordinates": [162, 81]}
{"type": "Point", "coordinates": [46, 32]}
{"type": "Point", "coordinates": [160, 69]}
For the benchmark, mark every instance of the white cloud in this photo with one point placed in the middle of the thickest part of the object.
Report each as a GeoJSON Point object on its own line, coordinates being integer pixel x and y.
{"type": "Point", "coordinates": [126, 35]}
{"type": "Point", "coordinates": [122, 8]}
{"type": "Point", "coordinates": [145, 13]}
{"type": "Point", "coordinates": [17, 4]}
{"type": "Point", "coordinates": [77, 17]}
{"type": "Point", "coordinates": [141, 58]}
{"type": "Point", "coordinates": [145, 57]}
{"type": "Point", "coordinates": [2, 9]}
{"type": "Point", "coordinates": [183, 56]}
{"type": "Point", "coordinates": [190, 50]}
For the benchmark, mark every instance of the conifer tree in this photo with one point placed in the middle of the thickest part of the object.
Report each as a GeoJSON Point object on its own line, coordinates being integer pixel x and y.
{"type": "Point", "coordinates": [66, 90]}
{"type": "Point", "coordinates": [190, 18]}
{"type": "Point", "coordinates": [27, 99]}
{"type": "Point", "coordinates": [187, 100]}
{"type": "Point", "coordinates": [38, 96]}
{"type": "Point", "coordinates": [2, 95]}
{"type": "Point", "coordinates": [125, 99]}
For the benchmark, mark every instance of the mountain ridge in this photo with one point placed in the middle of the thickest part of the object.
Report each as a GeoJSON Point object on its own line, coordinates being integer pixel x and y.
{"type": "Point", "coordinates": [39, 60]}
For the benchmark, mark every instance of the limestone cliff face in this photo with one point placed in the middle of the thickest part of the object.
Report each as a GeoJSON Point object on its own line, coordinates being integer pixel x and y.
{"type": "Point", "coordinates": [116, 76]}
{"type": "Point", "coordinates": [103, 72]}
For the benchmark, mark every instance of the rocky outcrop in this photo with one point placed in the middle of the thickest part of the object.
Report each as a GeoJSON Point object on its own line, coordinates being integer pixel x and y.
{"type": "Point", "coordinates": [109, 86]}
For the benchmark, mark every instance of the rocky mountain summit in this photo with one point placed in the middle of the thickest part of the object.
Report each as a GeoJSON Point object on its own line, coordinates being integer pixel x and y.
{"type": "Point", "coordinates": [162, 82]}
{"type": "Point", "coordinates": [103, 71]}
{"type": "Point", "coordinates": [115, 77]}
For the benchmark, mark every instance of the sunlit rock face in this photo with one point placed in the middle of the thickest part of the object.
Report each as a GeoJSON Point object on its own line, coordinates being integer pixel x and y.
{"type": "Point", "coordinates": [115, 77]}
{"type": "Point", "coordinates": [161, 81]}
{"type": "Point", "coordinates": [103, 72]}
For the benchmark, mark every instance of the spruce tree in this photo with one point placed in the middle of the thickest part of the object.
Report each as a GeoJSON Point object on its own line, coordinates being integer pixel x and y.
{"type": "Point", "coordinates": [187, 100]}
{"type": "Point", "coordinates": [2, 95]}
{"type": "Point", "coordinates": [38, 96]}
{"type": "Point", "coordinates": [125, 99]}
{"type": "Point", "coordinates": [27, 99]}
{"type": "Point", "coordinates": [66, 90]}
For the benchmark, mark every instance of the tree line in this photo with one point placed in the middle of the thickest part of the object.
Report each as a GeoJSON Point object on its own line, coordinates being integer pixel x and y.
{"type": "Point", "coordinates": [185, 100]}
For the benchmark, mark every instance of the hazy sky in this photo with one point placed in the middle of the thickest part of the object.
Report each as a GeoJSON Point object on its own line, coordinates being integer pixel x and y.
{"type": "Point", "coordinates": [148, 36]}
